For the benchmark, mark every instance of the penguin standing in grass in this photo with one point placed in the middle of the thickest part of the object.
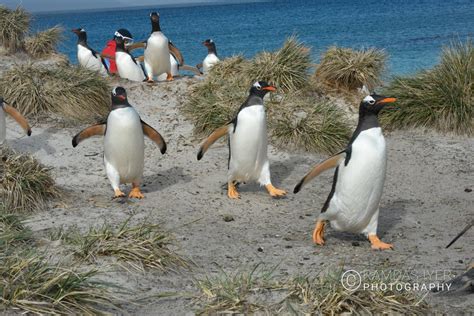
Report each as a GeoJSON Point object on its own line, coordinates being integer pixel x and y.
{"type": "Point", "coordinates": [123, 143]}
{"type": "Point", "coordinates": [157, 51]}
{"type": "Point", "coordinates": [353, 203]}
{"type": "Point", "coordinates": [87, 57]}
{"type": "Point", "coordinates": [127, 66]}
{"type": "Point", "coordinates": [248, 160]}
{"type": "Point", "coordinates": [211, 58]}
{"type": "Point", "coordinates": [7, 109]}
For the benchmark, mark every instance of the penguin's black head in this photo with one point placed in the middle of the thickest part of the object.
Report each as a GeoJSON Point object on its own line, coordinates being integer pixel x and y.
{"type": "Point", "coordinates": [261, 88]}
{"type": "Point", "coordinates": [81, 34]}
{"type": "Point", "coordinates": [211, 46]}
{"type": "Point", "coordinates": [120, 44]}
{"type": "Point", "coordinates": [374, 103]}
{"type": "Point", "coordinates": [119, 96]}
{"type": "Point", "coordinates": [155, 21]}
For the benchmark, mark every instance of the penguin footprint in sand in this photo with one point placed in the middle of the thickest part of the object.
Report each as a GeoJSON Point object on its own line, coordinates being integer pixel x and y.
{"type": "Point", "coordinates": [353, 203]}
{"type": "Point", "coordinates": [123, 143]}
{"type": "Point", "coordinates": [7, 109]}
{"type": "Point", "coordinates": [247, 132]}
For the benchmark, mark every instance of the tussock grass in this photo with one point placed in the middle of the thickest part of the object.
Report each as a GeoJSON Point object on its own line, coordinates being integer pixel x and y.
{"type": "Point", "coordinates": [134, 247]}
{"type": "Point", "coordinates": [215, 101]}
{"type": "Point", "coordinates": [25, 184]}
{"type": "Point", "coordinates": [12, 231]}
{"type": "Point", "coordinates": [14, 26]}
{"type": "Point", "coordinates": [310, 123]}
{"type": "Point", "coordinates": [258, 290]}
{"type": "Point", "coordinates": [287, 68]}
{"type": "Point", "coordinates": [30, 284]}
{"type": "Point", "coordinates": [441, 98]}
{"type": "Point", "coordinates": [43, 43]}
{"type": "Point", "coordinates": [349, 69]}
{"type": "Point", "coordinates": [75, 93]}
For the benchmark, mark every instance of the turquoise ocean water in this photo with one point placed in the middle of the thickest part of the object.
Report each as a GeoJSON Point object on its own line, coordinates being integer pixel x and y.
{"type": "Point", "coordinates": [412, 32]}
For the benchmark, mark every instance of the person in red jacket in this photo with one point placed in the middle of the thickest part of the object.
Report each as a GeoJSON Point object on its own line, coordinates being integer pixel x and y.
{"type": "Point", "coordinates": [109, 51]}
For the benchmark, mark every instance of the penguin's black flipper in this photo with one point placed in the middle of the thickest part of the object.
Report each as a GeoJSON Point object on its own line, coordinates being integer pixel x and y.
{"type": "Point", "coordinates": [176, 53]}
{"type": "Point", "coordinates": [94, 130]}
{"type": "Point", "coordinates": [332, 162]}
{"type": "Point", "coordinates": [218, 133]}
{"type": "Point", "coordinates": [20, 119]}
{"type": "Point", "coordinates": [156, 137]}
{"type": "Point", "coordinates": [136, 46]}
{"type": "Point", "coordinates": [461, 233]}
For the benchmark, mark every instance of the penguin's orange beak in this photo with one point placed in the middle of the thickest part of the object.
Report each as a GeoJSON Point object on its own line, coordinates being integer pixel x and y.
{"type": "Point", "coordinates": [121, 97]}
{"type": "Point", "coordinates": [387, 100]}
{"type": "Point", "coordinates": [269, 88]}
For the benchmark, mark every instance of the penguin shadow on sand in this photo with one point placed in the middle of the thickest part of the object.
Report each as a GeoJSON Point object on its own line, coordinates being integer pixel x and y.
{"type": "Point", "coordinates": [36, 142]}
{"type": "Point", "coordinates": [165, 179]}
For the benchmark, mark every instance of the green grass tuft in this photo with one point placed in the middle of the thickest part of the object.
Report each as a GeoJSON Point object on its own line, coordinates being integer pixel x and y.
{"type": "Point", "coordinates": [14, 26]}
{"type": "Point", "coordinates": [441, 98]}
{"type": "Point", "coordinates": [43, 43]}
{"type": "Point", "coordinates": [75, 93]}
{"type": "Point", "coordinates": [347, 69]}
{"type": "Point", "coordinates": [25, 184]}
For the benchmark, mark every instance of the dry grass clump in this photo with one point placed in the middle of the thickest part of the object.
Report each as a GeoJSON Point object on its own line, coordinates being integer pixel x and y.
{"type": "Point", "coordinates": [287, 68]}
{"type": "Point", "coordinates": [25, 184]}
{"type": "Point", "coordinates": [136, 247]}
{"type": "Point", "coordinates": [310, 123]}
{"type": "Point", "coordinates": [349, 69]}
{"type": "Point", "coordinates": [441, 98]}
{"type": "Point", "coordinates": [259, 291]}
{"type": "Point", "coordinates": [29, 284]}
{"type": "Point", "coordinates": [75, 93]}
{"type": "Point", "coordinates": [14, 26]}
{"type": "Point", "coordinates": [43, 43]}
{"type": "Point", "coordinates": [12, 231]}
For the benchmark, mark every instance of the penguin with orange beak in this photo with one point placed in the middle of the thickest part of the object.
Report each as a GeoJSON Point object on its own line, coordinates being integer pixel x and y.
{"type": "Point", "coordinates": [248, 160]}
{"type": "Point", "coordinates": [353, 203]}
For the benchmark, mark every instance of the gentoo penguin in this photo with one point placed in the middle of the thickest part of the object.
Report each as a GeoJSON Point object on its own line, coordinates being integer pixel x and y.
{"type": "Point", "coordinates": [5, 108]}
{"type": "Point", "coordinates": [123, 143]}
{"type": "Point", "coordinates": [127, 66]}
{"type": "Point", "coordinates": [88, 58]}
{"type": "Point", "coordinates": [248, 160]}
{"type": "Point", "coordinates": [353, 203]}
{"type": "Point", "coordinates": [157, 51]}
{"type": "Point", "coordinates": [211, 58]}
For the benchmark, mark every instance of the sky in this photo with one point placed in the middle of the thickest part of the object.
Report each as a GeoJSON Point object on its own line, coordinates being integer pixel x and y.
{"type": "Point", "coordinates": [68, 5]}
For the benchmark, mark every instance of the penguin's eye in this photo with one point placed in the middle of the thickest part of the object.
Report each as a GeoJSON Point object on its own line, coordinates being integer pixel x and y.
{"type": "Point", "coordinates": [372, 102]}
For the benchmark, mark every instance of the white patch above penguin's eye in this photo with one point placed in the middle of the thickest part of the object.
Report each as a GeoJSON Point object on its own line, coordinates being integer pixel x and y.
{"type": "Point", "coordinates": [369, 99]}
{"type": "Point", "coordinates": [257, 85]}
{"type": "Point", "coordinates": [114, 93]}
{"type": "Point", "coordinates": [82, 30]}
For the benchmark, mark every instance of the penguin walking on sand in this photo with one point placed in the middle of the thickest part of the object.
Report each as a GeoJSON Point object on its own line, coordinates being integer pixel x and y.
{"type": "Point", "coordinates": [127, 66]}
{"type": "Point", "coordinates": [157, 51]}
{"type": "Point", "coordinates": [123, 143]}
{"type": "Point", "coordinates": [211, 58]}
{"type": "Point", "coordinates": [87, 57]}
{"type": "Point", "coordinates": [353, 203]}
{"type": "Point", "coordinates": [7, 109]}
{"type": "Point", "coordinates": [248, 160]}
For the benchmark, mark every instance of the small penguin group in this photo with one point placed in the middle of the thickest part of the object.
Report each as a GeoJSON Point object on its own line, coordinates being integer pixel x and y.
{"type": "Point", "coordinates": [161, 59]}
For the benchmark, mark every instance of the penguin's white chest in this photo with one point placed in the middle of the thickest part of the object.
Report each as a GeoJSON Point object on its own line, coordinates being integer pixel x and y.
{"type": "Point", "coordinates": [124, 144]}
{"type": "Point", "coordinates": [157, 54]}
{"type": "Point", "coordinates": [3, 125]}
{"type": "Point", "coordinates": [359, 184]}
{"type": "Point", "coordinates": [209, 62]}
{"type": "Point", "coordinates": [127, 68]}
{"type": "Point", "coordinates": [88, 60]}
{"type": "Point", "coordinates": [248, 144]}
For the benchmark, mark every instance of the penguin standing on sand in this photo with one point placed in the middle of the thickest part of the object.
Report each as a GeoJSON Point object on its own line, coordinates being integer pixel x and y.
{"type": "Point", "coordinates": [211, 58]}
{"type": "Point", "coordinates": [127, 66]}
{"type": "Point", "coordinates": [89, 58]}
{"type": "Point", "coordinates": [353, 203]}
{"type": "Point", "coordinates": [123, 143]}
{"type": "Point", "coordinates": [248, 160]}
{"type": "Point", "coordinates": [7, 109]}
{"type": "Point", "coordinates": [157, 51]}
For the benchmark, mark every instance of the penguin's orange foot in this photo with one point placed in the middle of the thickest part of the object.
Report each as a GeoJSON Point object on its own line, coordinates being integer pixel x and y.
{"type": "Point", "coordinates": [169, 77]}
{"type": "Point", "coordinates": [377, 244]}
{"type": "Point", "coordinates": [274, 191]}
{"type": "Point", "coordinates": [150, 80]}
{"type": "Point", "coordinates": [232, 191]}
{"type": "Point", "coordinates": [318, 233]}
{"type": "Point", "coordinates": [118, 194]}
{"type": "Point", "coordinates": [135, 193]}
